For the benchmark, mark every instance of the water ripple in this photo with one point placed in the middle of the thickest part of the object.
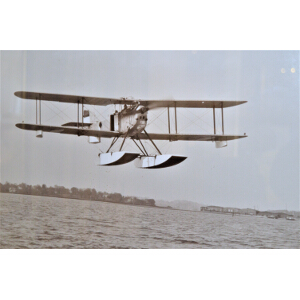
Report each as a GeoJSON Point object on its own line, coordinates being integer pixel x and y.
{"type": "Point", "coordinates": [41, 222]}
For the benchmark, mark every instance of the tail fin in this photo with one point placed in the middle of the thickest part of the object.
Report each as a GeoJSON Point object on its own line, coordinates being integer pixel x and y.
{"type": "Point", "coordinates": [89, 117]}
{"type": "Point", "coordinates": [89, 120]}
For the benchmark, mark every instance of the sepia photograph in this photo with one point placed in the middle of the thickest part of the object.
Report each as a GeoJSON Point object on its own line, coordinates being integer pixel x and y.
{"type": "Point", "coordinates": [150, 149]}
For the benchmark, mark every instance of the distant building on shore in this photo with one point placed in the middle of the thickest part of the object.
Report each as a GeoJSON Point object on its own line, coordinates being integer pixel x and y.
{"type": "Point", "coordinates": [246, 211]}
{"type": "Point", "coordinates": [220, 209]}
{"type": "Point", "coordinates": [272, 214]}
{"type": "Point", "coordinates": [232, 210]}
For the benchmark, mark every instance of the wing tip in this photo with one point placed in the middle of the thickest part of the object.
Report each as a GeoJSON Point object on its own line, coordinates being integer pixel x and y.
{"type": "Point", "coordinates": [239, 102]}
{"type": "Point", "coordinates": [21, 94]}
{"type": "Point", "coordinates": [20, 125]}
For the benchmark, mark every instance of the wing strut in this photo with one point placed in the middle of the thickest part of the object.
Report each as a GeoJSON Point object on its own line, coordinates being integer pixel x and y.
{"type": "Point", "coordinates": [82, 111]}
{"type": "Point", "coordinates": [214, 116]}
{"type": "Point", "coordinates": [169, 119]}
{"type": "Point", "coordinates": [175, 118]}
{"type": "Point", "coordinates": [124, 140]}
{"type": "Point", "coordinates": [38, 112]}
{"type": "Point", "coordinates": [78, 114]}
{"type": "Point", "coordinates": [222, 118]}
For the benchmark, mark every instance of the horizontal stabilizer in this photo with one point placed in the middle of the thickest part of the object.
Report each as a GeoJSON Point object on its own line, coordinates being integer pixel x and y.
{"type": "Point", "coordinates": [75, 124]}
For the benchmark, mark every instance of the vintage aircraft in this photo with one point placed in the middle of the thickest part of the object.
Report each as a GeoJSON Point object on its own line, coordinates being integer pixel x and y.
{"type": "Point", "coordinates": [129, 122]}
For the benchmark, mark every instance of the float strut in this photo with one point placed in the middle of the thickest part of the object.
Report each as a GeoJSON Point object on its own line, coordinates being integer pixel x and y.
{"type": "Point", "coordinates": [143, 147]}
{"type": "Point", "coordinates": [152, 141]}
{"type": "Point", "coordinates": [139, 147]}
{"type": "Point", "coordinates": [124, 140]}
{"type": "Point", "coordinates": [113, 142]}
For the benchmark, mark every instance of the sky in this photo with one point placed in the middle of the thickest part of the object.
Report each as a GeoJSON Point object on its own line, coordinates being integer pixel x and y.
{"type": "Point", "coordinates": [260, 171]}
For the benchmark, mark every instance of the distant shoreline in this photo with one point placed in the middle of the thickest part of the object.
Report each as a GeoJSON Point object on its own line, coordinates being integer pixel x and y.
{"type": "Point", "coordinates": [97, 200]}
{"type": "Point", "coordinates": [264, 213]}
{"type": "Point", "coordinates": [73, 193]}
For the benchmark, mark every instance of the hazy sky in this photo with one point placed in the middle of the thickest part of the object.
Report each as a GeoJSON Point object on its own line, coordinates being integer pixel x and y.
{"type": "Point", "coordinates": [260, 171]}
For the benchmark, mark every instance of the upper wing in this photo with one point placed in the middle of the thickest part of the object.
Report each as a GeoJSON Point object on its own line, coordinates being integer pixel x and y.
{"type": "Point", "coordinates": [189, 103]}
{"type": "Point", "coordinates": [72, 99]}
{"type": "Point", "coordinates": [107, 101]}
{"type": "Point", "coordinates": [189, 137]}
{"type": "Point", "coordinates": [69, 130]}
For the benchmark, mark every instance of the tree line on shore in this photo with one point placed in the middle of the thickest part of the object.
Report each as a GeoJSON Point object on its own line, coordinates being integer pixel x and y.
{"type": "Point", "coordinates": [73, 193]}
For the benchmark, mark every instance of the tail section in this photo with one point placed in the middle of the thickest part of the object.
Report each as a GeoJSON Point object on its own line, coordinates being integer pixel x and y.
{"type": "Point", "coordinates": [89, 117]}
{"type": "Point", "coordinates": [90, 121]}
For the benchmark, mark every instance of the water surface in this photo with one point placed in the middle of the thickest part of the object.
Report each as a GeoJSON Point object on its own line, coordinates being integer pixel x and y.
{"type": "Point", "coordinates": [46, 222]}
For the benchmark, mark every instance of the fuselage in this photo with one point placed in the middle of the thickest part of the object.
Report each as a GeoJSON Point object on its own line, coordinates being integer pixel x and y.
{"type": "Point", "coordinates": [132, 121]}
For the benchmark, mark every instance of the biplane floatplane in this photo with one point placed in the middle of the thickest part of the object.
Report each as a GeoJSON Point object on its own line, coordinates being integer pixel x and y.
{"type": "Point", "coordinates": [129, 123]}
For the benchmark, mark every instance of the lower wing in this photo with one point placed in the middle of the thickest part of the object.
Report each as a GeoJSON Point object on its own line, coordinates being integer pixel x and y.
{"type": "Point", "coordinates": [141, 136]}
{"type": "Point", "coordinates": [69, 130]}
{"type": "Point", "coordinates": [189, 137]}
